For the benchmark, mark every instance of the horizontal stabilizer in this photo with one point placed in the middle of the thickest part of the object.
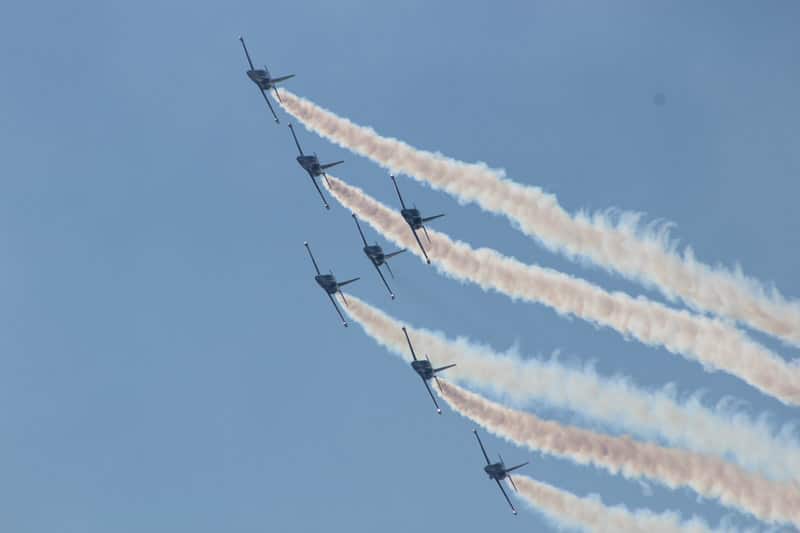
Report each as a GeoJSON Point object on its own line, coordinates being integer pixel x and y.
{"type": "Point", "coordinates": [398, 252]}
{"type": "Point", "coordinates": [515, 467]}
{"type": "Point", "coordinates": [343, 283]}
{"type": "Point", "coordinates": [443, 368]}
{"type": "Point", "coordinates": [329, 165]}
{"type": "Point", "coordinates": [282, 78]}
{"type": "Point", "coordinates": [434, 217]}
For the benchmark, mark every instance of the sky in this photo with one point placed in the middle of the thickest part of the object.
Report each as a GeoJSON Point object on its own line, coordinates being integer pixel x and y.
{"type": "Point", "coordinates": [168, 363]}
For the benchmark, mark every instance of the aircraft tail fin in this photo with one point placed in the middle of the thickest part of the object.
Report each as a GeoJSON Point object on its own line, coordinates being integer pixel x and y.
{"type": "Point", "coordinates": [425, 231]}
{"type": "Point", "coordinates": [511, 479]}
{"type": "Point", "coordinates": [388, 268]}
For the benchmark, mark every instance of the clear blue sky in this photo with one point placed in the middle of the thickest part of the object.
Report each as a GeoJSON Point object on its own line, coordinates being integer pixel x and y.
{"type": "Point", "coordinates": [167, 362]}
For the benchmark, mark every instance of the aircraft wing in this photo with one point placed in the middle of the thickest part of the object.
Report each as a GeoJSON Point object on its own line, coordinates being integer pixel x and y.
{"type": "Point", "coordinates": [316, 186]}
{"type": "Point", "coordinates": [506, 496]}
{"type": "Point", "coordinates": [438, 410]}
{"type": "Point", "coordinates": [420, 246]}
{"type": "Point", "coordinates": [241, 39]}
{"type": "Point", "coordinates": [414, 355]}
{"type": "Point", "coordinates": [294, 136]}
{"type": "Point", "coordinates": [359, 229]}
{"type": "Point", "coordinates": [402, 203]}
{"type": "Point", "coordinates": [434, 217]}
{"type": "Point", "coordinates": [329, 165]}
{"type": "Point", "coordinates": [481, 445]}
{"type": "Point", "coordinates": [264, 94]}
{"type": "Point", "coordinates": [384, 280]}
{"type": "Point", "coordinates": [308, 249]}
{"type": "Point", "coordinates": [344, 322]}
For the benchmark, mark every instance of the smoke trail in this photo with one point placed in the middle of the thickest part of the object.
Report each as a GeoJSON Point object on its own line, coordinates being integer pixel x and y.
{"type": "Point", "coordinates": [644, 255]}
{"type": "Point", "coordinates": [567, 510]}
{"type": "Point", "coordinates": [610, 401]}
{"type": "Point", "coordinates": [712, 342]}
{"type": "Point", "coordinates": [770, 501]}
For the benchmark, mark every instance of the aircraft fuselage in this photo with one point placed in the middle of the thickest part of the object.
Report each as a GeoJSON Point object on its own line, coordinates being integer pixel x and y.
{"type": "Point", "coordinates": [413, 218]}
{"type": "Point", "coordinates": [423, 368]}
{"type": "Point", "coordinates": [261, 78]}
{"type": "Point", "coordinates": [375, 254]}
{"type": "Point", "coordinates": [311, 164]}
{"type": "Point", "coordinates": [327, 282]}
{"type": "Point", "coordinates": [496, 471]}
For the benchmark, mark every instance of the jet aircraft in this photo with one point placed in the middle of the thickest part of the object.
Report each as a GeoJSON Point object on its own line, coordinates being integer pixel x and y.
{"type": "Point", "coordinates": [263, 80]}
{"type": "Point", "coordinates": [426, 371]}
{"type": "Point", "coordinates": [498, 471]}
{"type": "Point", "coordinates": [310, 164]}
{"type": "Point", "coordinates": [329, 284]}
{"type": "Point", "coordinates": [415, 220]}
{"type": "Point", "coordinates": [378, 258]}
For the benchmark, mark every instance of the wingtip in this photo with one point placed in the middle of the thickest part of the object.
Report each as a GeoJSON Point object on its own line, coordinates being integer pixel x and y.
{"type": "Point", "coordinates": [438, 410]}
{"type": "Point", "coordinates": [429, 261]}
{"type": "Point", "coordinates": [514, 512]}
{"type": "Point", "coordinates": [305, 243]}
{"type": "Point", "coordinates": [344, 324]}
{"type": "Point", "coordinates": [327, 207]}
{"type": "Point", "coordinates": [392, 296]}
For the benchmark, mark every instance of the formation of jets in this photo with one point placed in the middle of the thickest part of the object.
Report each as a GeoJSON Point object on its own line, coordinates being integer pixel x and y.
{"type": "Point", "coordinates": [328, 282]}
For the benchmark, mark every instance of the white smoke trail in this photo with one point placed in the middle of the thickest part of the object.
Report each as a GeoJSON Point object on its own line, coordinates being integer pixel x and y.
{"type": "Point", "coordinates": [712, 342]}
{"type": "Point", "coordinates": [568, 510]}
{"type": "Point", "coordinates": [613, 402]}
{"type": "Point", "coordinates": [710, 477]}
{"type": "Point", "coordinates": [644, 255]}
